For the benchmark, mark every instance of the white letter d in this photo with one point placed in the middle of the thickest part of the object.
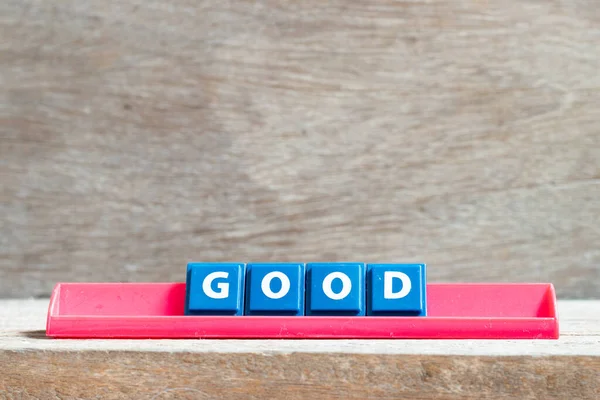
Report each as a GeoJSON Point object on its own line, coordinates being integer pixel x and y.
{"type": "Point", "coordinates": [388, 277]}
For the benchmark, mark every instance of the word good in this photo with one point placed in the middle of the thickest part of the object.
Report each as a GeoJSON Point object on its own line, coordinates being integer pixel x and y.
{"type": "Point", "coordinates": [311, 289]}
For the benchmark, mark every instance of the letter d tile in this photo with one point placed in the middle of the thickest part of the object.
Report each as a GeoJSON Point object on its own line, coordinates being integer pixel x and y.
{"type": "Point", "coordinates": [396, 290]}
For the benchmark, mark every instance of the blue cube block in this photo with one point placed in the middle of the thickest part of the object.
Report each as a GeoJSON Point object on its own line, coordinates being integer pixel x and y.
{"type": "Point", "coordinates": [396, 290]}
{"type": "Point", "coordinates": [335, 289]}
{"type": "Point", "coordinates": [275, 289]}
{"type": "Point", "coordinates": [215, 289]}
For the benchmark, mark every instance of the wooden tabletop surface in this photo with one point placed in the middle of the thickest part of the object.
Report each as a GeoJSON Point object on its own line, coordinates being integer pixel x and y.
{"type": "Point", "coordinates": [294, 369]}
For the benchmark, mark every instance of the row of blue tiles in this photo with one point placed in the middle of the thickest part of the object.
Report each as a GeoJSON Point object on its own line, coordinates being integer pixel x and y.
{"type": "Point", "coordinates": [294, 289]}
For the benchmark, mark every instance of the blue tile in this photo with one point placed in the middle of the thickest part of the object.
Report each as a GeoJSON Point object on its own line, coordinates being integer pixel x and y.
{"type": "Point", "coordinates": [396, 290]}
{"type": "Point", "coordinates": [215, 289]}
{"type": "Point", "coordinates": [275, 289]}
{"type": "Point", "coordinates": [335, 289]}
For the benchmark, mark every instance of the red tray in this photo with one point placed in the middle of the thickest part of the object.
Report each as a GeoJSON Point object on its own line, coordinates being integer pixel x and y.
{"type": "Point", "coordinates": [155, 310]}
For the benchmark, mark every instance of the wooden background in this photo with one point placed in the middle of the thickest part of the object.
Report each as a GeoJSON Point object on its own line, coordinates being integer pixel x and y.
{"type": "Point", "coordinates": [139, 135]}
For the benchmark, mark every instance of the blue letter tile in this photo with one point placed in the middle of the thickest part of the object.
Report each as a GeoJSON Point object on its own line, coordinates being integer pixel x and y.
{"type": "Point", "coordinates": [215, 289]}
{"type": "Point", "coordinates": [335, 289]}
{"type": "Point", "coordinates": [275, 289]}
{"type": "Point", "coordinates": [396, 289]}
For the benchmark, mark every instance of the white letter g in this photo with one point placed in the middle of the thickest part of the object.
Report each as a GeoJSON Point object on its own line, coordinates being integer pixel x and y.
{"type": "Point", "coordinates": [223, 287]}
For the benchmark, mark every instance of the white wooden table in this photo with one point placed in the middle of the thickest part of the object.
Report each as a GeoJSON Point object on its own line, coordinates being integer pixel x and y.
{"type": "Point", "coordinates": [33, 366]}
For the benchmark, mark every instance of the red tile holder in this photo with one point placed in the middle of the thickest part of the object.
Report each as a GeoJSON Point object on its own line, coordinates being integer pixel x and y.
{"type": "Point", "coordinates": [155, 311]}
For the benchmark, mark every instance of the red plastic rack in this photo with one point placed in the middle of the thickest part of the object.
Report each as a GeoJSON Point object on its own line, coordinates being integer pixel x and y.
{"type": "Point", "coordinates": [156, 311]}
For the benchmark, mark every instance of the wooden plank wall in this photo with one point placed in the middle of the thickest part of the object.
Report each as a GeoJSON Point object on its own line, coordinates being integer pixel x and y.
{"type": "Point", "coordinates": [139, 135]}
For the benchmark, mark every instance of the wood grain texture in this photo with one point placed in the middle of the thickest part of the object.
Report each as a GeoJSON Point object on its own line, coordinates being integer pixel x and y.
{"type": "Point", "coordinates": [100, 375]}
{"type": "Point", "coordinates": [139, 135]}
{"type": "Point", "coordinates": [34, 367]}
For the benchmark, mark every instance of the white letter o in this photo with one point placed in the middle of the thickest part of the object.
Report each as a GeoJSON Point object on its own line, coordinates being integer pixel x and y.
{"type": "Point", "coordinates": [346, 285]}
{"type": "Point", "coordinates": [266, 285]}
